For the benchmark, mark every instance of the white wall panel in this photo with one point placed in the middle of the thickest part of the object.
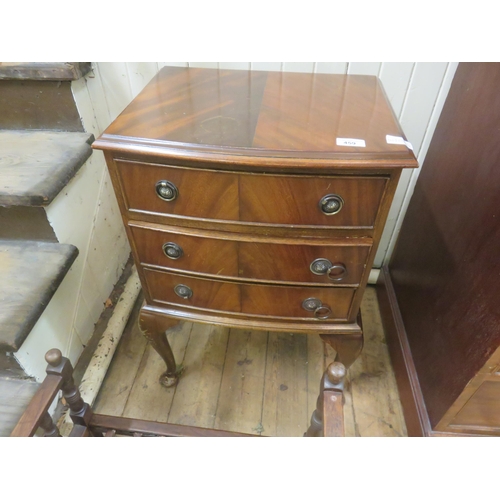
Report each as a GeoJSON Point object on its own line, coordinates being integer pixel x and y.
{"type": "Point", "coordinates": [140, 74]}
{"type": "Point", "coordinates": [363, 68]}
{"type": "Point", "coordinates": [234, 65]}
{"type": "Point", "coordinates": [97, 100]}
{"type": "Point", "coordinates": [214, 65]}
{"type": "Point", "coordinates": [331, 67]}
{"type": "Point", "coordinates": [395, 78]}
{"type": "Point", "coordinates": [116, 84]}
{"type": "Point", "coordinates": [178, 64]}
{"type": "Point", "coordinates": [420, 99]}
{"type": "Point", "coordinates": [413, 175]}
{"type": "Point", "coordinates": [266, 66]}
{"type": "Point", "coordinates": [299, 67]}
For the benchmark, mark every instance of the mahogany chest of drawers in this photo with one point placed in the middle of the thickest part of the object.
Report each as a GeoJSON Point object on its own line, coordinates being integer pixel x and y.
{"type": "Point", "coordinates": [255, 199]}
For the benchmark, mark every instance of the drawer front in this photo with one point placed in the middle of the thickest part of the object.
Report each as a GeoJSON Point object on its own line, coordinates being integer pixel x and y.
{"type": "Point", "coordinates": [200, 255]}
{"type": "Point", "coordinates": [296, 200]}
{"type": "Point", "coordinates": [202, 194]}
{"type": "Point", "coordinates": [258, 300]}
{"type": "Point", "coordinates": [252, 198]}
{"type": "Point", "coordinates": [332, 264]}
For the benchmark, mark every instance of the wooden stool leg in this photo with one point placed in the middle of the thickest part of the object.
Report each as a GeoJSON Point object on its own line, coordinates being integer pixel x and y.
{"type": "Point", "coordinates": [49, 427]}
{"type": "Point", "coordinates": [347, 346]}
{"type": "Point", "coordinates": [154, 327]}
{"type": "Point", "coordinates": [332, 383]}
{"type": "Point", "coordinates": [79, 411]}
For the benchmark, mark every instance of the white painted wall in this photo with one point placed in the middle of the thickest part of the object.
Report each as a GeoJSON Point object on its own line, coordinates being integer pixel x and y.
{"type": "Point", "coordinates": [416, 90]}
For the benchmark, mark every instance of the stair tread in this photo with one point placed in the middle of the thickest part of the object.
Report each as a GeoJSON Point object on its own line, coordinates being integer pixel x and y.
{"type": "Point", "coordinates": [31, 273]}
{"type": "Point", "coordinates": [36, 165]}
{"type": "Point", "coordinates": [15, 395]}
{"type": "Point", "coordinates": [58, 71]}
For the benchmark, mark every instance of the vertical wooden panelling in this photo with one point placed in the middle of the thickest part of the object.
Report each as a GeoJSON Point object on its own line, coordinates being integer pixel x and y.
{"type": "Point", "coordinates": [420, 100]}
{"type": "Point", "coordinates": [214, 65]}
{"type": "Point", "coordinates": [178, 64]}
{"type": "Point", "coordinates": [363, 68]}
{"type": "Point", "coordinates": [234, 65]}
{"type": "Point", "coordinates": [266, 66]}
{"type": "Point", "coordinates": [117, 89]}
{"type": "Point", "coordinates": [108, 237]}
{"type": "Point", "coordinates": [431, 127]}
{"type": "Point", "coordinates": [396, 80]}
{"type": "Point", "coordinates": [140, 74]}
{"type": "Point", "coordinates": [421, 97]}
{"type": "Point", "coordinates": [298, 67]}
{"type": "Point", "coordinates": [339, 68]}
{"type": "Point", "coordinates": [97, 99]}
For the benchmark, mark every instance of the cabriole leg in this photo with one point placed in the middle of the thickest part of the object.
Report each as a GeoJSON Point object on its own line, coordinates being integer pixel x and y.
{"type": "Point", "coordinates": [153, 327]}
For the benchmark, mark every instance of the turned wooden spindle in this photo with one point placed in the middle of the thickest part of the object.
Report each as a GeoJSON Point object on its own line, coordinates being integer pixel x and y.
{"type": "Point", "coordinates": [80, 412]}
{"type": "Point", "coordinates": [49, 427]}
{"type": "Point", "coordinates": [331, 387]}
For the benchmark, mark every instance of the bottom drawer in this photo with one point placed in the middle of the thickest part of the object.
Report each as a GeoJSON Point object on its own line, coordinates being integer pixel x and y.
{"type": "Point", "coordinates": [332, 304]}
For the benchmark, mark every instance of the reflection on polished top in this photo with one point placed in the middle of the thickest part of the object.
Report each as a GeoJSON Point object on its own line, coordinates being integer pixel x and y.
{"type": "Point", "coordinates": [227, 114]}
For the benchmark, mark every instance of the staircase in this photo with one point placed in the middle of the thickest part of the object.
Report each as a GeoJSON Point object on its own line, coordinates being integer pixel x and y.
{"type": "Point", "coordinates": [56, 270]}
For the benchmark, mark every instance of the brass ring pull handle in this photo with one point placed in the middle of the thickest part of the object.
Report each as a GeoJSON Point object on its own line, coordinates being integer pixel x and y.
{"type": "Point", "coordinates": [172, 251]}
{"type": "Point", "coordinates": [320, 310]}
{"type": "Point", "coordinates": [324, 311]}
{"type": "Point", "coordinates": [335, 272]}
{"type": "Point", "coordinates": [166, 190]}
{"type": "Point", "coordinates": [331, 204]}
{"type": "Point", "coordinates": [183, 291]}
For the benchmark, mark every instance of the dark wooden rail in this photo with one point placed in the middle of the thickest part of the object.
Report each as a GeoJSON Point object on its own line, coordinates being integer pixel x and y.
{"type": "Point", "coordinates": [327, 420]}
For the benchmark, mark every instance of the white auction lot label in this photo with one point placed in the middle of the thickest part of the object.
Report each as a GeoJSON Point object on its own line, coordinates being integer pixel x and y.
{"type": "Point", "coordinates": [394, 139]}
{"type": "Point", "coordinates": [356, 143]}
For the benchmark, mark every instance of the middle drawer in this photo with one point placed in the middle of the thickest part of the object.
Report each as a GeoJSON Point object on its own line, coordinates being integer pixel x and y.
{"type": "Point", "coordinates": [285, 260]}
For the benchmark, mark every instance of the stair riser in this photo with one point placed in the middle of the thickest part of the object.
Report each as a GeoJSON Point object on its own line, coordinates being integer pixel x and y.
{"type": "Point", "coordinates": [36, 105]}
{"type": "Point", "coordinates": [25, 223]}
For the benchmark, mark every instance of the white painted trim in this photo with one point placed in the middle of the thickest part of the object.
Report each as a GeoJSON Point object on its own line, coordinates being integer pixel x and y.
{"type": "Point", "coordinates": [373, 278]}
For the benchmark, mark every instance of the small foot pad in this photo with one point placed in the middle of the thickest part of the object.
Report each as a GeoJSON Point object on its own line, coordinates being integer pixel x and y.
{"type": "Point", "coordinates": [167, 380]}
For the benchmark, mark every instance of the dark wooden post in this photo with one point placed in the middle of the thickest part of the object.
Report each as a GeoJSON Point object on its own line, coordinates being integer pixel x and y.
{"type": "Point", "coordinates": [331, 386]}
{"type": "Point", "coordinates": [79, 411]}
{"type": "Point", "coordinates": [50, 429]}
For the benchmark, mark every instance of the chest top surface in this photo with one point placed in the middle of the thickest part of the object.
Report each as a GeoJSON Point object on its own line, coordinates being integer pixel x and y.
{"type": "Point", "coordinates": [230, 114]}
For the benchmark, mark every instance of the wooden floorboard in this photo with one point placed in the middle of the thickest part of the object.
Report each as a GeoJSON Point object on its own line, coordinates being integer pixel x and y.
{"type": "Point", "coordinates": [377, 409]}
{"type": "Point", "coordinates": [284, 409]}
{"type": "Point", "coordinates": [121, 375]}
{"type": "Point", "coordinates": [148, 399]}
{"type": "Point", "coordinates": [239, 408]}
{"type": "Point", "coordinates": [197, 393]}
{"type": "Point", "coordinates": [252, 382]}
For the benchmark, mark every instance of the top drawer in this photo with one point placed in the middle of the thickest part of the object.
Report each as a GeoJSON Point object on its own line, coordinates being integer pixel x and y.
{"type": "Point", "coordinates": [252, 198]}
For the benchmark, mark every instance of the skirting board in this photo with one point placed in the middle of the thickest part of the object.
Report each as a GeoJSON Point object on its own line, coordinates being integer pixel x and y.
{"type": "Point", "coordinates": [415, 412]}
